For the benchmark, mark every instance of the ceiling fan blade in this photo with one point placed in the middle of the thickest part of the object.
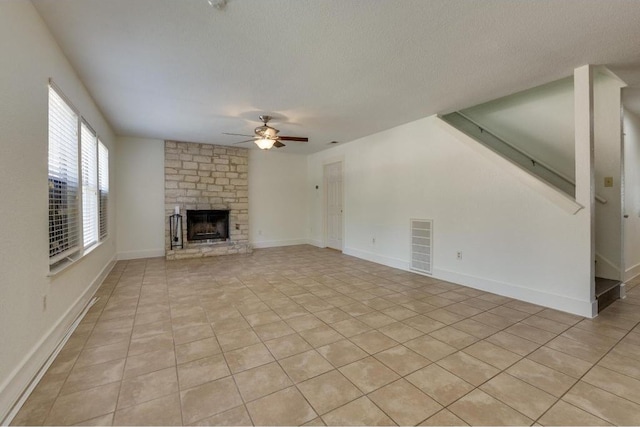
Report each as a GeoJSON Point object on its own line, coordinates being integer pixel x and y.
{"type": "Point", "coordinates": [278, 144]}
{"type": "Point", "coordinates": [235, 134]}
{"type": "Point", "coordinates": [242, 142]}
{"type": "Point", "coordinates": [293, 138]}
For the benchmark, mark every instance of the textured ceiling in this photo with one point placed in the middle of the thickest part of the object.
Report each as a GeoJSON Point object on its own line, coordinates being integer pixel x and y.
{"type": "Point", "coordinates": [327, 69]}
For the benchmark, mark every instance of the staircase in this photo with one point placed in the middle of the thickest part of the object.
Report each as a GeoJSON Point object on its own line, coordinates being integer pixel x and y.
{"type": "Point", "coordinates": [536, 167]}
{"type": "Point", "coordinates": [607, 290]}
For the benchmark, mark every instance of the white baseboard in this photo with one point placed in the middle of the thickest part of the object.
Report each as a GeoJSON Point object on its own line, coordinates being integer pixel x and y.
{"type": "Point", "coordinates": [558, 302]}
{"type": "Point", "coordinates": [278, 243]}
{"type": "Point", "coordinates": [606, 268]}
{"type": "Point", "coordinates": [20, 378]}
{"type": "Point", "coordinates": [146, 253]}
{"type": "Point", "coordinates": [317, 243]}
{"type": "Point", "coordinates": [379, 259]}
{"type": "Point", "coordinates": [632, 272]}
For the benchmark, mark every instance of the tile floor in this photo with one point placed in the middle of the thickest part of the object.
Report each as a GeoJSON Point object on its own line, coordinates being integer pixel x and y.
{"type": "Point", "coordinates": [300, 335]}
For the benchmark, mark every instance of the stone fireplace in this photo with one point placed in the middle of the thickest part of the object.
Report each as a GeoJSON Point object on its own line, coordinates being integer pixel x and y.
{"type": "Point", "coordinates": [209, 186]}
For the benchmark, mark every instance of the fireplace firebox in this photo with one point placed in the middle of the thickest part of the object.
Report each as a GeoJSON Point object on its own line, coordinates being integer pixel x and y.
{"type": "Point", "coordinates": [208, 225]}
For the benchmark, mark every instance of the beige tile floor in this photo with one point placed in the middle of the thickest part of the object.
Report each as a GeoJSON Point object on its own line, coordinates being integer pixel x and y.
{"type": "Point", "coordinates": [300, 335]}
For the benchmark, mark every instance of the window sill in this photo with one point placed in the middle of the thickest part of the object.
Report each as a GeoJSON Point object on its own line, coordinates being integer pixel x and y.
{"type": "Point", "coordinates": [73, 259]}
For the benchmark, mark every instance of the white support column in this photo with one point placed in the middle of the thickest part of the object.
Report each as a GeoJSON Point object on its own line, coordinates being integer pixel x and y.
{"type": "Point", "coordinates": [584, 155]}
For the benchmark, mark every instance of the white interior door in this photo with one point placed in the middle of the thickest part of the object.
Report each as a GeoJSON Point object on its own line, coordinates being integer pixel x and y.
{"type": "Point", "coordinates": [333, 213]}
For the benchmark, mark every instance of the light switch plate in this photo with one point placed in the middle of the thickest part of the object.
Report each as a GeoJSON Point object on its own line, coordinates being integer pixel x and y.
{"type": "Point", "coordinates": [608, 181]}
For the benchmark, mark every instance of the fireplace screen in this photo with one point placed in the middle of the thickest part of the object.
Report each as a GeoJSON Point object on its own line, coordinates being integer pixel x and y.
{"type": "Point", "coordinates": [207, 225]}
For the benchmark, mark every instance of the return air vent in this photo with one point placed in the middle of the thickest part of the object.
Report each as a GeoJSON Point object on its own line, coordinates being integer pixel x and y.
{"type": "Point", "coordinates": [421, 245]}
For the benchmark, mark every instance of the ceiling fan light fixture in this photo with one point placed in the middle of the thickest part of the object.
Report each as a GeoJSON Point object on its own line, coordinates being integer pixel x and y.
{"type": "Point", "coordinates": [265, 143]}
{"type": "Point", "coordinates": [218, 4]}
{"type": "Point", "coordinates": [266, 131]}
{"type": "Point", "coordinates": [266, 137]}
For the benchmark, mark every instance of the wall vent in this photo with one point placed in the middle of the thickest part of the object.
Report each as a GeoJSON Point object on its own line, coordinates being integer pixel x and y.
{"type": "Point", "coordinates": [421, 245]}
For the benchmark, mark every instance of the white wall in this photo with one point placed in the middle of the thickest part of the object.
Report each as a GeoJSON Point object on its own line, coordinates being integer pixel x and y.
{"type": "Point", "coordinates": [277, 198]}
{"type": "Point", "coordinates": [607, 163]}
{"type": "Point", "coordinates": [140, 188]}
{"type": "Point", "coordinates": [514, 241]}
{"type": "Point", "coordinates": [632, 194]}
{"type": "Point", "coordinates": [30, 56]}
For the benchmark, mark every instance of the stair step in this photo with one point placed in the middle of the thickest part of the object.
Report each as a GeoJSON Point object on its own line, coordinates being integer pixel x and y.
{"type": "Point", "coordinates": [607, 291]}
{"type": "Point", "coordinates": [605, 285]}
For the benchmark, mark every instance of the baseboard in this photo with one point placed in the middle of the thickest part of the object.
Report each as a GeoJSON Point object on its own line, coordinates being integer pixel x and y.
{"type": "Point", "coordinates": [379, 259]}
{"type": "Point", "coordinates": [147, 253]}
{"type": "Point", "coordinates": [558, 302]}
{"type": "Point", "coordinates": [632, 272]}
{"type": "Point", "coordinates": [316, 243]}
{"type": "Point", "coordinates": [546, 299]}
{"type": "Point", "coordinates": [19, 380]}
{"type": "Point", "coordinates": [278, 243]}
{"type": "Point", "coordinates": [606, 268]}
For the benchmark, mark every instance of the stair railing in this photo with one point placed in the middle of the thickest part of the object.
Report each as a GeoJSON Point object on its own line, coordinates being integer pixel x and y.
{"type": "Point", "coordinates": [534, 162]}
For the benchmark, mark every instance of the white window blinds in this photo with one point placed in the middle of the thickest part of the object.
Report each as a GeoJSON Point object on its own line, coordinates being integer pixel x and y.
{"type": "Point", "coordinates": [64, 227]}
{"type": "Point", "coordinates": [78, 161]}
{"type": "Point", "coordinates": [103, 187]}
{"type": "Point", "coordinates": [89, 149]}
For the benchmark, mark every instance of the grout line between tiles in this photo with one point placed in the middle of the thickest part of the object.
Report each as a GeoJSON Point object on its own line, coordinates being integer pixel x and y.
{"type": "Point", "coordinates": [589, 370]}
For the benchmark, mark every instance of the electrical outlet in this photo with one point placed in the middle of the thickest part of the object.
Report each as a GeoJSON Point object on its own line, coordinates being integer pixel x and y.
{"type": "Point", "coordinates": [259, 232]}
{"type": "Point", "coordinates": [44, 303]}
{"type": "Point", "coordinates": [373, 240]}
{"type": "Point", "coordinates": [459, 256]}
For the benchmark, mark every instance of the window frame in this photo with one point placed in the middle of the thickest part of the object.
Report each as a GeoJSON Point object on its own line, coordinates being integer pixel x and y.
{"type": "Point", "coordinates": [89, 180]}
{"type": "Point", "coordinates": [69, 184]}
{"type": "Point", "coordinates": [85, 186]}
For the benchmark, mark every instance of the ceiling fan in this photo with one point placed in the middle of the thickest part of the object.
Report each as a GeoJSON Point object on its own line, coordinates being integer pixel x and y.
{"type": "Point", "coordinates": [266, 136]}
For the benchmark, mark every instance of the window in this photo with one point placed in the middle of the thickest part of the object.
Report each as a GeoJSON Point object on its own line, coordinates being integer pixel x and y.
{"type": "Point", "coordinates": [64, 229]}
{"type": "Point", "coordinates": [103, 187]}
{"type": "Point", "coordinates": [78, 183]}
